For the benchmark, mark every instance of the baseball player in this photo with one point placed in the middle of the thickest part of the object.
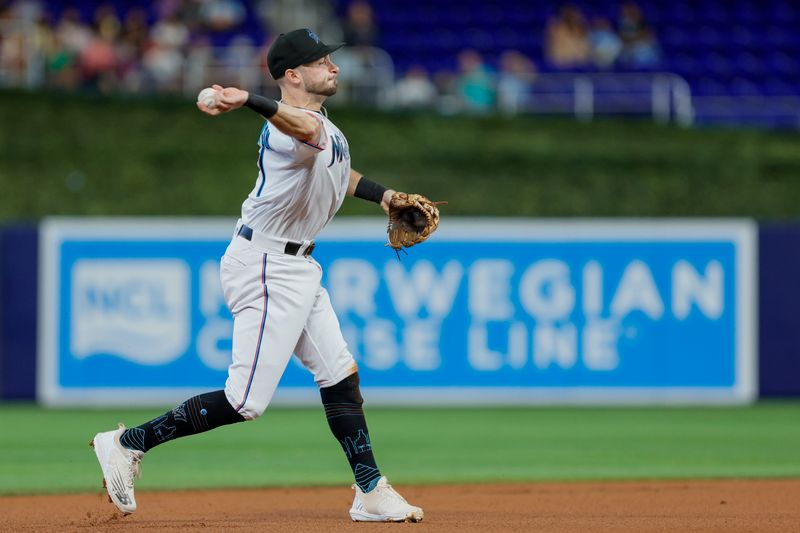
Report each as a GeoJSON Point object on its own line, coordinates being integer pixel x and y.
{"type": "Point", "coordinates": [271, 284]}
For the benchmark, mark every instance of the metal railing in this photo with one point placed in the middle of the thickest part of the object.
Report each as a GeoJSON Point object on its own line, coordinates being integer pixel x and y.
{"type": "Point", "coordinates": [664, 96]}
{"type": "Point", "coordinates": [777, 110]}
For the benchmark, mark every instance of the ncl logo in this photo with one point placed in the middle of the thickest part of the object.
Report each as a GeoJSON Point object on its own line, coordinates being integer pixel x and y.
{"type": "Point", "coordinates": [134, 309]}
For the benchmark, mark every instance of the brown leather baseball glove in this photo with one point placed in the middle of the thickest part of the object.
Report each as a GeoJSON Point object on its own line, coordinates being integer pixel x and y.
{"type": "Point", "coordinates": [412, 219]}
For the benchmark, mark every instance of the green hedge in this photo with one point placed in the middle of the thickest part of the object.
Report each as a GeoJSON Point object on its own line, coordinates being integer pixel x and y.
{"type": "Point", "coordinates": [85, 155]}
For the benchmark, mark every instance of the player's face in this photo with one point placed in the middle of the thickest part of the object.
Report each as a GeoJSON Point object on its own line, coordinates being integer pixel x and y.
{"type": "Point", "coordinates": [320, 76]}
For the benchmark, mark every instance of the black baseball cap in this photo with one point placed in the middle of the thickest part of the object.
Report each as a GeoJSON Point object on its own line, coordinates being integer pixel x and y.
{"type": "Point", "coordinates": [296, 48]}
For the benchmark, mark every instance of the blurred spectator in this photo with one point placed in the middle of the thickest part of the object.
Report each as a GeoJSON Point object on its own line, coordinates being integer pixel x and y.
{"type": "Point", "coordinates": [106, 22]}
{"type": "Point", "coordinates": [170, 32]}
{"type": "Point", "coordinates": [163, 60]}
{"type": "Point", "coordinates": [475, 84]}
{"type": "Point", "coordinates": [514, 83]}
{"type": "Point", "coordinates": [366, 74]}
{"type": "Point", "coordinates": [21, 41]}
{"type": "Point", "coordinates": [567, 43]}
{"type": "Point", "coordinates": [415, 90]}
{"type": "Point", "coordinates": [70, 37]}
{"type": "Point", "coordinates": [644, 52]}
{"type": "Point", "coordinates": [98, 59]}
{"type": "Point", "coordinates": [167, 8]}
{"type": "Point", "coordinates": [135, 31]}
{"type": "Point", "coordinates": [239, 57]}
{"type": "Point", "coordinates": [72, 33]}
{"type": "Point", "coordinates": [640, 47]}
{"type": "Point", "coordinates": [285, 15]}
{"type": "Point", "coordinates": [197, 67]}
{"type": "Point", "coordinates": [59, 69]}
{"type": "Point", "coordinates": [605, 44]}
{"type": "Point", "coordinates": [26, 12]}
{"type": "Point", "coordinates": [360, 28]}
{"type": "Point", "coordinates": [446, 83]}
{"type": "Point", "coordinates": [162, 68]}
{"type": "Point", "coordinates": [131, 47]}
{"type": "Point", "coordinates": [98, 63]}
{"type": "Point", "coordinates": [44, 45]}
{"type": "Point", "coordinates": [222, 15]}
{"type": "Point", "coordinates": [13, 44]}
{"type": "Point", "coordinates": [365, 70]}
{"type": "Point", "coordinates": [62, 71]}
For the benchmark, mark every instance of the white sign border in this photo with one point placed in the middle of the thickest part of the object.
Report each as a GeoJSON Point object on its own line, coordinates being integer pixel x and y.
{"type": "Point", "coordinates": [742, 232]}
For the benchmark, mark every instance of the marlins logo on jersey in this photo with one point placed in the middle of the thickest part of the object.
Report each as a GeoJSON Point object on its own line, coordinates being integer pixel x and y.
{"type": "Point", "coordinates": [340, 150]}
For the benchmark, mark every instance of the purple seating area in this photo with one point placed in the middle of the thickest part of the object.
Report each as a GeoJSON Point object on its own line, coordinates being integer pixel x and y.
{"type": "Point", "coordinates": [733, 48]}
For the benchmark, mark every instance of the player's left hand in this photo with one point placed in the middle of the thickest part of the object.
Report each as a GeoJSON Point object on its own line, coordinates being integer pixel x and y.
{"type": "Point", "coordinates": [387, 200]}
{"type": "Point", "coordinates": [228, 99]}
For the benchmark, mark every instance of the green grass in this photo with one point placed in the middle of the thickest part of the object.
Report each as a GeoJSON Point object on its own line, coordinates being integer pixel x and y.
{"type": "Point", "coordinates": [45, 451]}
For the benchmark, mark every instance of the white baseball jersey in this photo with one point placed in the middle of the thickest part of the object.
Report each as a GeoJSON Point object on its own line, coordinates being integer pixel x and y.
{"type": "Point", "coordinates": [277, 301]}
{"type": "Point", "coordinates": [300, 185]}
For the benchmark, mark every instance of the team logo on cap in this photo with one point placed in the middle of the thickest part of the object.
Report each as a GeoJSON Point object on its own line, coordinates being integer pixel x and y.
{"type": "Point", "coordinates": [313, 35]}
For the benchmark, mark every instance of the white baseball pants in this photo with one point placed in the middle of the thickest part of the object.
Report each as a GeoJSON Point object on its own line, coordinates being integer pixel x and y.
{"type": "Point", "coordinates": [279, 307]}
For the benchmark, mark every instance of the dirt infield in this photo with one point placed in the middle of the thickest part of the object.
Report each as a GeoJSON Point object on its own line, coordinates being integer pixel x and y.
{"type": "Point", "coordinates": [708, 506]}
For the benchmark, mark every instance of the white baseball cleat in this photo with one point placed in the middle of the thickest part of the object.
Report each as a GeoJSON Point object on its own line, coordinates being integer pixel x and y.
{"type": "Point", "coordinates": [120, 466]}
{"type": "Point", "coordinates": [383, 504]}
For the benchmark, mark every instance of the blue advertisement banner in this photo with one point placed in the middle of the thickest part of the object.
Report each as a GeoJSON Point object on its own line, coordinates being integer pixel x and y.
{"type": "Point", "coordinates": [499, 311]}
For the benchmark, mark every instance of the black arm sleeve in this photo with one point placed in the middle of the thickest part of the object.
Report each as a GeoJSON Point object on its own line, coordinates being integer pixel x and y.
{"type": "Point", "coordinates": [369, 190]}
{"type": "Point", "coordinates": [266, 107]}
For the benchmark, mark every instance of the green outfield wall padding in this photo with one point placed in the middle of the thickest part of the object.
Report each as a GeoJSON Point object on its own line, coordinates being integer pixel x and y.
{"type": "Point", "coordinates": [90, 155]}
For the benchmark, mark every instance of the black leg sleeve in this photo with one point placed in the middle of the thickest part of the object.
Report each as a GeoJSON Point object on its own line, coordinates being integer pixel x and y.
{"type": "Point", "coordinates": [195, 415]}
{"type": "Point", "coordinates": [343, 407]}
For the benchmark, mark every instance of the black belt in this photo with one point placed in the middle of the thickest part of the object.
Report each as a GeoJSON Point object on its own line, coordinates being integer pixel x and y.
{"type": "Point", "coordinates": [291, 247]}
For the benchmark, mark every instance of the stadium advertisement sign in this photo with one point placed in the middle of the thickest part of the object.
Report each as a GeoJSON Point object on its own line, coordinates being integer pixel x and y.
{"type": "Point", "coordinates": [492, 311]}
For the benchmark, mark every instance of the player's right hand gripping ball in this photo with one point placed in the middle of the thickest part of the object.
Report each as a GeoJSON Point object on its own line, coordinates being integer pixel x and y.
{"type": "Point", "coordinates": [208, 97]}
{"type": "Point", "coordinates": [412, 219]}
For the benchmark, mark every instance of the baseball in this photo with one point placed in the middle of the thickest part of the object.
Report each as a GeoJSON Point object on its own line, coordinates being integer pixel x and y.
{"type": "Point", "coordinates": [208, 97]}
